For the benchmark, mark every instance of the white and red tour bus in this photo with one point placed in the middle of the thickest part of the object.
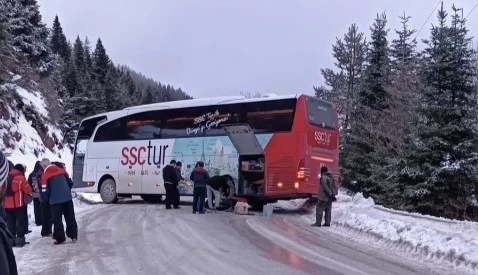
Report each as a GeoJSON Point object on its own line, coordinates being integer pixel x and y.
{"type": "Point", "coordinates": [267, 148]}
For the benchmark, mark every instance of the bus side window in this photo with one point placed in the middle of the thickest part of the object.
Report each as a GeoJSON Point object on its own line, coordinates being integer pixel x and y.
{"type": "Point", "coordinates": [180, 123]}
{"type": "Point", "coordinates": [144, 126]}
{"type": "Point", "coordinates": [111, 131]}
{"type": "Point", "coordinates": [270, 116]}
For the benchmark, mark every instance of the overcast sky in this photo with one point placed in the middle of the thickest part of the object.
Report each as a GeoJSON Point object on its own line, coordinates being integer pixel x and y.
{"type": "Point", "coordinates": [219, 47]}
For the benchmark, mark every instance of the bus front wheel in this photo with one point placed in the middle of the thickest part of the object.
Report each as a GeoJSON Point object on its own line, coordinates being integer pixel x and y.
{"type": "Point", "coordinates": [108, 191]}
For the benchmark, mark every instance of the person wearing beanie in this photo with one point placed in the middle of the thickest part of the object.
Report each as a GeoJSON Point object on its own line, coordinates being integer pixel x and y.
{"type": "Point", "coordinates": [8, 264]}
{"type": "Point", "coordinates": [14, 202]}
{"type": "Point", "coordinates": [325, 196]}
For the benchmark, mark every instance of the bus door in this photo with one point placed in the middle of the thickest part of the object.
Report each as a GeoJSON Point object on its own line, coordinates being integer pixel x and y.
{"type": "Point", "coordinates": [80, 177]}
{"type": "Point", "coordinates": [78, 162]}
{"type": "Point", "coordinates": [251, 159]}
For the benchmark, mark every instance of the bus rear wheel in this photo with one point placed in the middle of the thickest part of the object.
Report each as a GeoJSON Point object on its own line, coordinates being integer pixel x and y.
{"type": "Point", "coordinates": [108, 191]}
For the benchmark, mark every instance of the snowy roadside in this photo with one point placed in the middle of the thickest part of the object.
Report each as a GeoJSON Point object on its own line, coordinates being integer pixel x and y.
{"type": "Point", "coordinates": [84, 204]}
{"type": "Point", "coordinates": [437, 239]}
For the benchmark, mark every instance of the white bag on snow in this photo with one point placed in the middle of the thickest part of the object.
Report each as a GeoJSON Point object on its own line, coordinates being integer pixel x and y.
{"type": "Point", "coordinates": [241, 208]}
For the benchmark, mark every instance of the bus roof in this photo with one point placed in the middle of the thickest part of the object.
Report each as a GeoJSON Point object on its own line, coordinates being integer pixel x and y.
{"type": "Point", "coordinates": [199, 102]}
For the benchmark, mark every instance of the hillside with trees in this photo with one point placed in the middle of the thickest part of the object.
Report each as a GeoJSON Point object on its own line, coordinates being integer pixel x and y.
{"type": "Point", "coordinates": [408, 118]}
{"type": "Point", "coordinates": [76, 78]}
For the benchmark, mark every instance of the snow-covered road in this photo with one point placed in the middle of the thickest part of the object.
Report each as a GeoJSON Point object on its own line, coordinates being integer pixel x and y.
{"type": "Point", "coordinates": [137, 238]}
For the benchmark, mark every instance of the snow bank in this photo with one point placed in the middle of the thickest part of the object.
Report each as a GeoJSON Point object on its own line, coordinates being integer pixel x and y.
{"type": "Point", "coordinates": [436, 238]}
{"type": "Point", "coordinates": [89, 198]}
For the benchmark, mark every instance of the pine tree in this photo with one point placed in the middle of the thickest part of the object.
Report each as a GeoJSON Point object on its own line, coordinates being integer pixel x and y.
{"type": "Point", "coordinates": [58, 41]}
{"type": "Point", "coordinates": [101, 63]}
{"type": "Point", "coordinates": [400, 117]}
{"type": "Point", "coordinates": [350, 55]}
{"type": "Point", "coordinates": [129, 88]}
{"type": "Point", "coordinates": [71, 81]}
{"type": "Point", "coordinates": [371, 102]}
{"type": "Point", "coordinates": [79, 56]}
{"type": "Point", "coordinates": [442, 169]}
{"type": "Point", "coordinates": [113, 95]}
{"type": "Point", "coordinates": [30, 35]}
{"type": "Point", "coordinates": [88, 60]}
{"type": "Point", "coordinates": [147, 96]}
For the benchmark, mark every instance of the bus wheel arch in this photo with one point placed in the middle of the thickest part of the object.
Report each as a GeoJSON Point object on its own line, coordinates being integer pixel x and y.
{"type": "Point", "coordinates": [107, 189]}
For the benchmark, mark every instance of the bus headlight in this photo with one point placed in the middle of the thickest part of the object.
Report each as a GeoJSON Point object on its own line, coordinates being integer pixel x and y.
{"type": "Point", "coordinates": [296, 185]}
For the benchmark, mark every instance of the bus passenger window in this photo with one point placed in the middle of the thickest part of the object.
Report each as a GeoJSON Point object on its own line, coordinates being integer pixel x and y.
{"type": "Point", "coordinates": [144, 129]}
{"type": "Point", "coordinates": [180, 123]}
{"type": "Point", "coordinates": [271, 116]}
{"type": "Point", "coordinates": [111, 131]}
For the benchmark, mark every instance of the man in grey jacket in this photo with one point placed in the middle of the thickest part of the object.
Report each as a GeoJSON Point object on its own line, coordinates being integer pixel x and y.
{"type": "Point", "coordinates": [325, 196]}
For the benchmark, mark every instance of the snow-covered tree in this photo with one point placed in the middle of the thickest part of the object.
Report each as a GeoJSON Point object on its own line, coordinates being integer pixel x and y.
{"type": "Point", "coordinates": [29, 34]}
{"type": "Point", "coordinates": [441, 171]}
{"type": "Point", "coordinates": [58, 42]}
{"type": "Point", "coordinates": [101, 62]}
{"type": "Point", "coordinates": [350, 54]}
{"type": "Point", "coordinates": [371, 101]}
{"type": "Point", "coordinates": [398, 122]}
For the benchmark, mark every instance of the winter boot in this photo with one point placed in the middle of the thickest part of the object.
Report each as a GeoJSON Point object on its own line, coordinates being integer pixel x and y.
{"type": "Point", "coordinates": [318, 219]}
{"type": "Point", "coordinates": [20, 242]}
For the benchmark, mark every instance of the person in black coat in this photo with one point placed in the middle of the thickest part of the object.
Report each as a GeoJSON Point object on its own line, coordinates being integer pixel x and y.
{"type": "Point", "coordinates": [8, 264]}
{"type": "Point", "coordinates": [171, 181]}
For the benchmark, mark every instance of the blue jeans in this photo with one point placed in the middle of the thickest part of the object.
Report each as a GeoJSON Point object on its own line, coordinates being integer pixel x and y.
{"type": "Point", "coordinates": [199, 195]}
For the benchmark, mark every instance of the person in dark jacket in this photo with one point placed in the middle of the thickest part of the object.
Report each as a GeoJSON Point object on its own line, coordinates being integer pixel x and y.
{"type": "Point", "coordinates": [170, 178]}
{"type": "Point", "coordinates": [14, 203]}
{"type": "Point", "coordinates": [325, 196]}
{"type": "Point", "coordinates": [200, 177]}
{"type": "Point", "coordinates": [47, 224]}
{"type": "Point", "coordinates": [58, 191]}
{"type": "Point", "coordinates": [8, 264]}
{"type": "Point", "coordinates": [33, 181]}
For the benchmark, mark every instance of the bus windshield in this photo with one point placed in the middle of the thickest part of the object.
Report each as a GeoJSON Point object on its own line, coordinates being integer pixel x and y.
{"type": "Point", "coordinates": [320, 113]}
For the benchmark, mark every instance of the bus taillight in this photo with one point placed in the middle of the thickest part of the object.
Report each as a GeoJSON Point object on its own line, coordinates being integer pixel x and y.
{"type": "Point", "coordinates": [301, 169]}
{"type": "Point", "coordinates": [89, 183]}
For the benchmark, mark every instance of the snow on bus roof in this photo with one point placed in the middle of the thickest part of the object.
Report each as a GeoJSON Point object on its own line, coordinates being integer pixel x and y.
{"type": "Point", "coordinates": [198, 102]}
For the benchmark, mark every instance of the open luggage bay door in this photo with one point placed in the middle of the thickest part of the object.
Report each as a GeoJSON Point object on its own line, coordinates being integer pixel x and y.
{"type": "Point", "coordinates": [251, 159]}
{"type": "Point", "coordinates": [243, 138]}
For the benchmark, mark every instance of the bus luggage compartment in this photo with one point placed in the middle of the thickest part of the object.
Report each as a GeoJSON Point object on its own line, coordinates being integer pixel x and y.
{"type": "Point", "coordinates": [251, 160]}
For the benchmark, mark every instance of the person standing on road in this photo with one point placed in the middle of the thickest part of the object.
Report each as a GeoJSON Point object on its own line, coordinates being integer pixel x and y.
{"type": "Point", "coordinates": [46, 228]}
{"type": "Point", "coordinates": [8, 264]}
{"type": "Point", "coordinates": [170, 178]}
{"type": "Point", "coordinates": [200, 177]}
{"type": "Point", "coordinates": [325, 196]}
{"type": "Point", "coordinates": [58, 192]}
{"type": "Point", "coordinates": [33, 181]}
{"type": "Point", "coordinates": [14, 202]}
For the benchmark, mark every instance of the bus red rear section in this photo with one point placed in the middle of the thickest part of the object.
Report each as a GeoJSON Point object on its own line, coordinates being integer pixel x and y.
{"type": "Point", "coordinates": [294, 159]}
